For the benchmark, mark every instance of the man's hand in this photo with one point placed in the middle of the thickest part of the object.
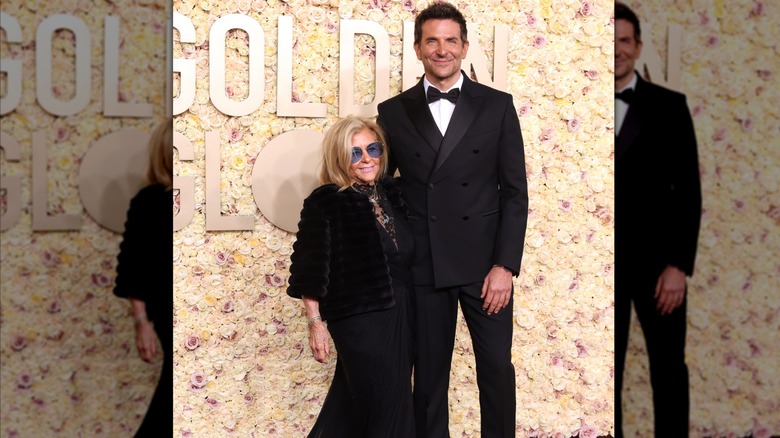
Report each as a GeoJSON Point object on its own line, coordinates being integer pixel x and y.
{"type": "Point", "coordinates": [669, 290]}
{"type": "Point", "coordinates": [496, 290]}
{"type": "Point", "coordinates": [319, 341]}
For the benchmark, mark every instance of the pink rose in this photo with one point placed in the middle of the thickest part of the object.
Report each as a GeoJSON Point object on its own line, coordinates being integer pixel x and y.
{"type": "Point", "coordinates": [582, 349]}
{"type": "Point", "coordinates": [277, 280]}
{"type": "Point", "coordinates": [546, 134]}
{"type": "Point", "coordinates": [588, 432]}
{"type": "Point", "coordinates": [758, 9]}
{"type": "Point", "coordinates": [764, 74]}
{"type": "Point", "coordinates": [523, 110]}
{"type": "Point", "coordinates": [101, 280]}
{"type": "Point", "coordinates": [192, 342]}
{"type": "Point", "coordinates": [409, 5]}
{"type": "Point", "coordinates": [18, 343]}
{"type": "Point", "coordinates": [62, 134]}
{"type": "Point", "coordinates": [198, 379]}
{"type": "Point", "coordinates": [228, 306]}
{"type": "Point", "coordinates": [539, 41]}
{"type": "Point", "coordinates": [586, 8]}
{"type": "Point", "coordinates": [24, 381]}
{"type": "Point", "coordinates": [235, 135]}
{"type": "Point", "coordinates": [530, 19]}
{"type": "Point", "coordinates": [573, 125]}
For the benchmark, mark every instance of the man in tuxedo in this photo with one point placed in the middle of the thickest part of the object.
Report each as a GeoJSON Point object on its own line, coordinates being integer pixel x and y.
{"type": "Point", "coordinates": [459, 150]}
{"type": "Point", "coordinates": [656, 183]}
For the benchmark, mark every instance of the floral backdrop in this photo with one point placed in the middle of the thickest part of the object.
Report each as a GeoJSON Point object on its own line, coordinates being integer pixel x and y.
{"type": "Point", "coordinates": [730, 71]}
{"type": "Point", "coordinates": [242, 361]}
{"type": "Point", "coordinates": [67, 348]}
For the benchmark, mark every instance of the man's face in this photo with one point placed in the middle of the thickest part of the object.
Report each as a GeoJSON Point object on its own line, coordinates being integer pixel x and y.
{"type": "Point", "coordinates": [441, 51]}
{"type": "Point", "coordinates": [627, 49]}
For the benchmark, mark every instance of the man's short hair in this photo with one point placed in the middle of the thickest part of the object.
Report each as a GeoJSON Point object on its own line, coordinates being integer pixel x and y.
{"type": "Point", "coordinates": [623, 12]}
{"type": "Point", "coordinates": [439, 10]}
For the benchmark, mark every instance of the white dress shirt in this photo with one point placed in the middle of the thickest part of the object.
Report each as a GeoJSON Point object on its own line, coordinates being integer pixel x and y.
{"type": "Point", "coordinates": [442, 109]}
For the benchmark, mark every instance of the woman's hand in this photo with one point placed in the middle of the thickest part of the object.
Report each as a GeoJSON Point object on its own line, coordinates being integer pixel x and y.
{"type": "Point", "coordinates": [145, 340]}
{"type": "Point", "coordinates": [319, 341]}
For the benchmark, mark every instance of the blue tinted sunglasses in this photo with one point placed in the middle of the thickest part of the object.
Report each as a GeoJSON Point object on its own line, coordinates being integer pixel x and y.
{"type": "Point", "coordinates": [374, 150]}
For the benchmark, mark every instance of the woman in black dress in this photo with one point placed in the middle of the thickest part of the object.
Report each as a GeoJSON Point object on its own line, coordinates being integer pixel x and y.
{"type": "Point", "coordinates": [144, 275]}
{"type": "Point", "coordinates": [350, 267]}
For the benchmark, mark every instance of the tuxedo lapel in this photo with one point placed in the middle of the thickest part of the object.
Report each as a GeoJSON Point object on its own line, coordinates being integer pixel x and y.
{"type": "Point", "coordinates": [417, 108]}
{"type": "Point", "coordinates": [465, 112]}
{"type": "Point", "coordinates": [628, 131]}
{"type": "Point", "coordinates": [633, 121]}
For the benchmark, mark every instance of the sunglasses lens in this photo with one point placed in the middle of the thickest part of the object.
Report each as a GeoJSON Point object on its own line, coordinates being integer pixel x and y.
{"type": "Point", "coordinates": [357, 154]}
{"type": "Point", "coordinates": [374, 150]}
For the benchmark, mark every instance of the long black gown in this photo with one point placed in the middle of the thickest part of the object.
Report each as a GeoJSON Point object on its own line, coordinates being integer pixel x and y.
{"type": "Point", "coordinates": [371, 392]}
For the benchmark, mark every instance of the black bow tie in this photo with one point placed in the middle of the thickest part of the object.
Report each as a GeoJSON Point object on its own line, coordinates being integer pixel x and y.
{"type": "Point", "coordinates": [625, 95]}
{"type": "Point", "coordinates": [435, 94]}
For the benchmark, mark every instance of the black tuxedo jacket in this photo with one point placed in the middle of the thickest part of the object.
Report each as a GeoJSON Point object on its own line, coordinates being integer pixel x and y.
{"type": "Point", "coordinates": [657, 188]}
{"type": "Point", "coordinates": [466, 191]}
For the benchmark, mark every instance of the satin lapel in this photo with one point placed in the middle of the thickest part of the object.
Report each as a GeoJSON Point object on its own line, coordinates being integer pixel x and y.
{"type": "Point", "coordinates": [417, 109]}
{"type": "Point", "coordinates": [633, 120]}
{"type": "Point", "coordinates": [628, 131]}
{"type": "Point", "coordinates": [465, 112]}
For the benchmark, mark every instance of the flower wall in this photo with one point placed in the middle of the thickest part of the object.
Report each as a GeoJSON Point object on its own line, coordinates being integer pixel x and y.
{"type": "Point", "coordinates": [242, 361]}
{"type": "Point", "coordinates": [730, 67]}
{"type": "Point", "coordinates": [67, 348]}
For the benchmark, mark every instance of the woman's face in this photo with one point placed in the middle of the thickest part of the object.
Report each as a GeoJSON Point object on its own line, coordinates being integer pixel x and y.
{"type": "Point", "coordinates": [366, 168]}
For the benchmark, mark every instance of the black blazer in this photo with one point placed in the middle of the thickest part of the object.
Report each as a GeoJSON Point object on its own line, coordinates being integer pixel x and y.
{"type": "Point", "coordinates": [478, 215]}
{"type": "Point", "coordinates": [657, 183]}
{"type": "Point", "coordinates": [338, 255]}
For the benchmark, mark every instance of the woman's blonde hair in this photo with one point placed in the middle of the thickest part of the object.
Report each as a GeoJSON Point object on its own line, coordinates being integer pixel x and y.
{"type": "Point", "coordinates": [160, 169]}
{"type": "Point", "coordinates": [337, 150]}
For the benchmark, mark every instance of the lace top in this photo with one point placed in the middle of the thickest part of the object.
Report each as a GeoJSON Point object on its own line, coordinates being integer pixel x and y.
{"type": "Point", "coordinates": [378, 198]}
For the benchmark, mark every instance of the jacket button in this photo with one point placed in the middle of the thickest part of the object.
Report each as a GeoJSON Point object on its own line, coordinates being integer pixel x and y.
{"type": "Point", "coordinates": [476, 151]}
{"type": "Point", "coordinates": [433, 218]}
{"type": "Point", "coordinates": [465, 218]}
{"type": "Point", "coordinates": [465, 184]}
{"type": "Point", "coordinates": [431, 186]}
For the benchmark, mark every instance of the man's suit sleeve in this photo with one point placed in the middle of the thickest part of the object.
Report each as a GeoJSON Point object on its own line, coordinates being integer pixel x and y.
{"type": "Point", "coordinates": [510, 239]}
{"type": "Point", "coordinates": [687, 201]}
{"type": "Point", "coordinates": [392, 166]}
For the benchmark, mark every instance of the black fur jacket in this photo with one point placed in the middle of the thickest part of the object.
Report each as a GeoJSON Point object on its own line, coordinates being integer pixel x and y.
{"type": "Point", "coordinates": [338, 255]}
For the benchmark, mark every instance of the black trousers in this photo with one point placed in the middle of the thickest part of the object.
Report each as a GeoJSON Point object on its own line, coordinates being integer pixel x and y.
{"type": "Point", "coordinates": [665, 340]}
{"type": "Point", "coordinates": [491, 336]}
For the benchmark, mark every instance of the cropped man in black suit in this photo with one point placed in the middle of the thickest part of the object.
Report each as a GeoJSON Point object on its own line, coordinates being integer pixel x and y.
{"type": "Point", "coordinates": [459, 150]}
{"type": "Point", "coordinates": [657, 217]}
